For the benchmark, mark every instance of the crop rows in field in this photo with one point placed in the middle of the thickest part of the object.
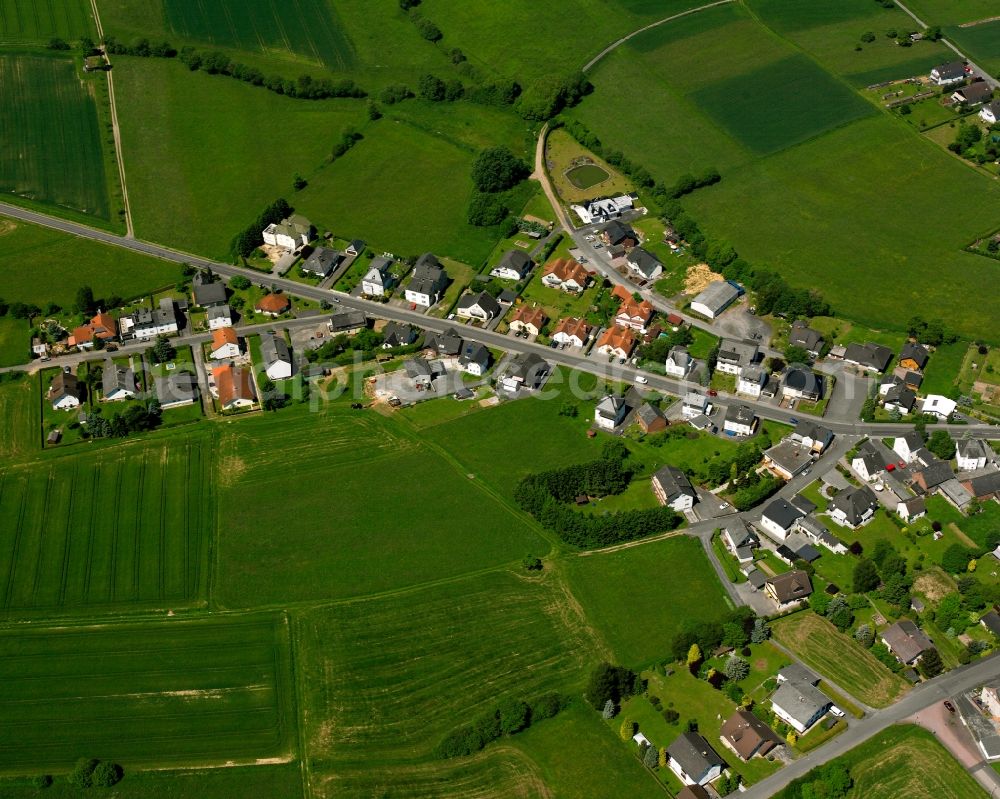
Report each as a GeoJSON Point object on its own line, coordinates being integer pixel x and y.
{"type": "Point", "coordinates": [33, 21]}
{"type": "Point", "coordinates": [51, 138]}
{"type": "Point", "coordinates": [306, 28]}
{"type": "Point", "coordinates": [120, 527]}
{"type": "Point", "coordinates": [164, 691]}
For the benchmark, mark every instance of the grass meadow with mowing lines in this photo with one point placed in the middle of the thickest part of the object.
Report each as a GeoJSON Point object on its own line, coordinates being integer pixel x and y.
{"type": "Point", "coordinates": [19, 419]}
{"type": "Point", "coordinates": [308, 28]}
{"type": "Point", "coordinates": [981, 42]}
{"type": "Point", "coordinates": [821, 647]}
{"type": "Point", "coordinates": [39, 265]}
{"type": "Point", "coordinates": [116, 528]}
{"type": "Point", "coordinates": [667, 582]}
{"type": "Point", "coordinates": [156, 692]}
{"type": "Point", "coordinates": [14, 341]}
{"type": "Point", "coordinates": [339, 504]}
{"type": "Point", "coordinates": [952, 12]}
{"type": "Point", "coordinates": [33, 21]}
{"type": "Point", "coordinates": [385, 679]}
{"type": "Point", "coordinates": [52, 141]}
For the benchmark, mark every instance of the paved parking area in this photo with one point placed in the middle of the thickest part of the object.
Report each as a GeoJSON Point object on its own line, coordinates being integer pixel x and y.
{"type": "Point", "coordinates": [398, 384]}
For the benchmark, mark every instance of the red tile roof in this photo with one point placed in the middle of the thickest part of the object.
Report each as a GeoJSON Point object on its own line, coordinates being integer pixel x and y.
{"type": "Point", "coordinates": [273, 303]}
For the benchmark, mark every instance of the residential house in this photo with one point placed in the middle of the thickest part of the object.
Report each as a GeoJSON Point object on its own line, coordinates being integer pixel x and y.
{"type": "Point", "coordinates": [788, 588]}
{"type": "Point", "coordinates": [911, 509]}
{"type": "Point", "coordinates": [177, 389]}
{"type": "Point", "coordinates": [695, 404]}
{"type": "Point", "coordinates": [930, 477]}
{"type": "Point", "coordinates": [220, 316]}
{"type": "Point", "coordinates": [906, 641]}
{"type": "Point", "coordinates": [803, 503]}
{"type": "Point", "coordinates": [948, 73]}
{"type": "Point", "coordinates": [379, 278]}
{"type": "Point", "coordinates": [603, 209]}
{"type": "Point", "coordinates": [514, 265]}
{"type": "Point", "coordinates": [617, 342]}
{"type": "Point", "coordinates": [348, 322]}
{"type": "Point", "coordinates": [868, 462]}
{"type": "Point", "coordinates": [906, 446]}
{"type": "Point", "coordinates": [610, 412]}
{"type": "Point", "coordinates": [788, 458]}
{"type": "Point", "coordinates": [475, 358]}
{"type": "Point", "coordinates": [273, 304]}
{"type": "Point", "coordinates": [566, 274]}
{"type": "Point", "coordinates": [812, 435]}
{"type": "Point", "coordinates": [715, 298]}
{"type": "Point", "coordinates": [479, 306]}
{"type": "Point", "coordinates": [735, 354]}
{"type": "Point", "coordinates": [449, 343]}
{"type": "Point", "coordinates": [276, 356]}
{"type": "Point", "coordinates": [899, 398]}
{"type": "Point", "coordinates": [65, 391]}
{"type": "Point", "coordinates": [957, 494]}
{"type": "Point", "coordinates": [798, 702]}
{"type": "Point", "coordinates": [398, 334]}
{"type": "Point", "coordinates": [650, 418]}
{"type": "Point", "coordinates": [692, 759]}
{"type": "Point", "coordinates": [990, 113]}
{"type": "Point", "coordinates": [913, 357]}
{"type": "Point", "coordinates": [39, 348]}
{"type": "Point", "coordinates": [984, 487]}
{"type": "Point", "coordinates": [572, 331]}
{"type": "Point", "coordinates": [617, 234]}
{"type": "Point", "coordinates": [633, 314]}
{"type": "Point", "coordinates": [643, 264]}
{"type": "Point", "coordinates": [356, 247]}
{"type": "Point", "coordinates": [909, 378]}
{"type": "Point", "coordinates": [747, 736]}
{"type": "Point", "coordinates": [739, 539]}
{"type": "Point", "coordinates": [937, 405]}
{"type": "Point", "coordinates": [117, 383]}
{"type": "Point", "coordinates": [208, 291]}
{"type": "Point", "coordinates": [779, 518]}
{"type": "Point", "coordinates": [991, 621]}
{"type": "Point", "coordinates": [322, 262]}
{"type": "Point", "coordinates": [673, 489]}
{"type": "Point", "coordinates": [148, 323]}
{"type": "Point", "coordinates": [804, 337]}
{"type": "Point", "coordinates": [801, 384]}
{"type": "Point", "coordinates": [525, 371]}
{"type": "Point", "coordinates": [420, 372]}
{"type": "Point", "coordinates": [102, 326]}
{"type": "Point", "coordinates": [233, 387]}
{"type": "Point", "coordinates": [428, 282]}
{"type": "Point", "coordinates": [528, 319]}
{"type": "Point", "coordinates": [693, 792]}
{"type": "Point", "coordinates": [976, 93]}
{"type": "Point", "coordinates": [290, 233]}
{"type": "Point", "coordinates": [751, 381]}
{"type": "Point", "coordinates": [868, 357]}
{"type": "Point", "coordinates": [225, 344]}
{"type": "Point", "coordinates": [816, 532]}
{"type": "Point", "coordinates": [739, 421]}
{"type": "Point", "coordinates": [853, 507]}
{"type": "Point", "coordinates": [972, 454]}
{"type": "Point", "coordinates": [679, 362]}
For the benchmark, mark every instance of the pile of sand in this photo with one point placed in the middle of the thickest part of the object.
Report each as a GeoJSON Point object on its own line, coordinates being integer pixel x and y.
{"type": "Point", "coordinates": [698, 277]}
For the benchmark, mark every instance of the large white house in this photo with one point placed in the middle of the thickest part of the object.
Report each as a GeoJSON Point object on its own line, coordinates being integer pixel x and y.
{"type": "Point", "coordinates": [610, 412]}
{"type": "Point", "coordinates": [972, 454]}
{"type": "Point", "coordinates": [276, 356]}
{"type": "Point", "coordinates": [290, 233]}
{"type": "Point", "coordinates": [679, 362]}
{"type": "Point", "coordinates": [378, 279]}
{"type": "Point", "coordinates": [604, 209]}
{"type": "Point", "coordinates": [940, 406]}
{"type": "Point", "coordinates": [149, 323]}
{"type": "Point", "coordinates": [949, 73]}
{"type": "Point", "coordinates": [673, 489]}
{"type": "Point", "coordinates": [751, 381]}
{"type": "Point", "coordinates": [990, 113]}
{"type": "Point", "coordinates": [428, 283]}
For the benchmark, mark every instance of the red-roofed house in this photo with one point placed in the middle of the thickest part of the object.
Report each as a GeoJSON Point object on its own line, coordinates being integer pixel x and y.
{"type": "Point", "coordinates": [566, 274]}
{"type": "Point", "coordinates": [617, 342]}
{"type": "Point", "coordinates": [273, 304]}
{"type": "Point", "coordinates": [103, 326]}
{"type": "Point", "coordinates": [636, 315]}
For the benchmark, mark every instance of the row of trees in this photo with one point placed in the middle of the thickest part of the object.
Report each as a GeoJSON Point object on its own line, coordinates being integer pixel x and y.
{"type": "Point", "coordinates": [508, 717]}
{"type": "Point", "coordinates": [251, 237]}
{"type": "Point", "coordinates": [495, 172]}
{"type": "Point", "coordinates": [138, 418]}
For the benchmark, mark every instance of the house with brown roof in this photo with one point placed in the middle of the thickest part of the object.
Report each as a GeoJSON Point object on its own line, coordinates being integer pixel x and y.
{"type": "Point", "coordinates": [631, 313]}
{"type": "Point", "coordinates": [788, 588]}
{"type": "Point", "coordinates": [566, 274]}
{"type": "Point", "coordinates": [572, 331]}
{"type": "Point", "coordinates": [748, 736]}
{"type": "Point", "coordinates": [650, 418]}
{"type": "Point", "coordinates": [233, 387]}
{"type": "Point", "coordinates": [528, 319]}
{"type": "Point", "coordinates": [64, 392]}
{"type": "Point", "coordinates": [617, 342]}
{"type": "Point", "coordinates": [273, 304]}
{"type": "Point", "coordinates": [102, 326]}
{"type": "Point", "coordinates": [225, 344]}
{"type": "Point", "coordinates": [906, 641]}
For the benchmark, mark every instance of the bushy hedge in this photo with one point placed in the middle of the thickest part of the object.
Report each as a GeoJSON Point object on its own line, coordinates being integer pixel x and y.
{"type": "Point", "coordinates": [509, 717]}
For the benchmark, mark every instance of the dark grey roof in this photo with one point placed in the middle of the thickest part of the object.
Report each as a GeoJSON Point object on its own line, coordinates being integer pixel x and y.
{"type": "Point", "coordinates": [742, 353]}
{"type": "Point", "coordinates": [648, 413]}
{"type": "Point", "coordinates": [357, 245]}
{"type": "Point", "coordinates": [474, 353]}
{"type": "Point", "coordinates": [531, 368]}
{"type": "Point", "coordinates": [644, 262]}
{"type": "Point", "coordinates": [801, 701]}
{"type": "Point", "coordinates": [782, 513]}
{"type": "Point", "coordinates": [429, 276]}
{"type": "Point", "coordinates": [913, 439]}
{"type": "Point", "coordinates": [741, 414]}
{"type": "Point", "coordinates": [915, 351]}
{"type": "Point", "coordinates": [798, 674]}
{"type": "Point", "coordinates": [398, 334]}
{"type": "Point", "coordinates": [616, 232]}
{"type": "Point", "coordinates": [484, 300]}
{"type": "Point", "coordinates": [902, 396]}
{"type": "Point", "coordinates": [322, 261]}
{"type": "Point", "coordinates": [756, 578]}
{"type": "Point", "coordinates": [805, 381]}
{"type": "Point", "coordinates": [206, 294]}
{"type": "Point", "coordinates": [791, 585]}
{"type": "Point", "coordinates": [515, 260]}
{"type": "Point", "coordinates": [115, 378]}
{"type": "Point", "coordinates": [854, 502]}
{"type": "Point", "coordinates": [811, 430]}
{"type": "Point", "coordinates": [915, 506]}
{"type": "Point", "coordinates": [936, 473]}
{"type": "Point", "coordinates": [804, 504]}
{"type": "Point", "coordinates": [694, 754]}
{"type": "Point", "coordinates": [906, 640]}
{"type": "Point", "coordinates": [951, 69]}
{"type": "Point", "coordinates": [801, 335]}
{"type": "Point", "coordinates": [417, 367]}
{"type": "Point", "coordinates": [985, 484]}
{"type": "Point", "coordinates": [976, 92]}
{"type": "Point", "coordinates": [447, 343]}
{"type": "Point", "coordinates": [973, 448]}
{"type": "Point", "coordinates": [674, 483]}
{"type": "Point", "coordinates": [739, 533]}
{"type": "Point", "coordinates": [274, 349]}
{"type": "Point", "coordinates": [380, 264]}
{"type": "Point", "coordinates": [220, 312]}
{"type": "Point", "coordinates": [176, 388]}
{"type": "Point", "coordinates": [347, 320]}
{"type": "Point", "coordinates": [991, 621]}
{"type": "Point", "coordinates": [871, 355]}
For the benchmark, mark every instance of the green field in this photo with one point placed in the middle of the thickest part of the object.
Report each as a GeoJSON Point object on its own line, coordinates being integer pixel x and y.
{"type": "Point", "coordinates": [953, 12]}
{"type": "Point", "coordinates": [981, 42]}
{"type": "Point", "coordinates": [905, 760]}
{"type": "Point", "coordinates": [386, 679]}
{"type": "Point", "coordinates": [157, 692]}
{"type": "Point", "coordinates": [14, 341]}
{"type": "Point", "coordinates": [387, 512]}
{"type": "Point", "coordinates": [33, 21]}
{"type": "Point", "coordinates": [20, 419]}
{"type": "Point", "coordinates": [664, 583]}
{"type": "Point", "coordinates": [308, 28]}
{"type": "Point", "coordinates": [52, 140]}
{"type": "Point", "coordinates": [117, 528]}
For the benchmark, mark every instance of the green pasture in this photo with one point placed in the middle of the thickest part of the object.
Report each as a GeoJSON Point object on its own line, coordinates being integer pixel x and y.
{"type": "Point", "coordinates": [158, 692]}
{"type": "Point", "coordinates": [20, 419]}
{"type": "Point", "coordinates": [36, 21]}
{"type": "Point", "coordinates": [665, 583]}
{"type": "Point", "coordinates": [385, 679]}
{"type": "Point", "coordinates": [981, 42]}
{"type": "Point", "coordinates": [386, 514]}
{"type": "Point", "coordinates": [52, 151]}
{"type": "Point", "coordinates": [953, 12]}
{"type": "Point", "coordinates": [114, 528]}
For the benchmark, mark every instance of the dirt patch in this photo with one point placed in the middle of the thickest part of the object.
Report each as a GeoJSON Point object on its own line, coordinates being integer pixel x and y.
{"type": "Point", "coordinates": [698, 277]}
{"type": "Point", "coordinates": [962, 536]}
{"type": "Point", "coordinates": [934, 585]}
{"type": "Point", "coordinates": [979, 22]}
{"type": "Point", "coordinates": [7, 226]}
{"type": "Point", "coordinates": [231, 469]}
{"type": "Point", "coordinates": [272, 253]}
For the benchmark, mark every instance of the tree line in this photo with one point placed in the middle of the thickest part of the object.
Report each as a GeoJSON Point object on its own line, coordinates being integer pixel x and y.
{"type": "Point", "coordinates": [508, 717]}
{"type": "Point", "coordinates": [251, 237]}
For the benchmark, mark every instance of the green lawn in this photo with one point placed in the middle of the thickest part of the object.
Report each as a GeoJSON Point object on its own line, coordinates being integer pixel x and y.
{"type": "Point", "coordinates": [157, 692]}
{"type": "Point", "coordinates": [15, 341]}
{"type": "Point", "coordinates": [664, 583]}
{"type": "Point", "coordinates": [943, 367]}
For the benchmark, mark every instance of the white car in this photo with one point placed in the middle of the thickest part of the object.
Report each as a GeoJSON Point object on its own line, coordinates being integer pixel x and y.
{"type": "Point", "coordinates": [641, 380]}
{"type": "Point", "coordinates": [836, 711]}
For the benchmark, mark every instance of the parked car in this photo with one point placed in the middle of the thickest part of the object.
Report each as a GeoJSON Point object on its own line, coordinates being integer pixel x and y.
{"type": "Point", "coordinates": [949, 706]}
{"type": "Point", "coordinates": [641, 380]}
{"type": "Point", "coordinates": [836, 711]}
{"type": "Point", "coordinates": [792, 420]}
{"type": "Point", "coordinates": [713, 393]}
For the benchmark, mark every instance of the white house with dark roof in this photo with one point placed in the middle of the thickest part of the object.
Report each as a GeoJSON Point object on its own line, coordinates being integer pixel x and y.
{"type": "Point", "coordinates": [779, 518]}
{"type": "Point", "coordinates": [751, 381]}
{"type": "Point", "coordinates": [802, 384]}
{"type": "Point", "coordinates": [610, 412]}
{"type": "Point", "coordinates": [734, 355]}
{"type": "Point", "coordinates": [679, 362]}
{"type": "Point", "coordinates": [479, 306]}
{"type": "Point", "coordinates": [321, 262]}
{"type": "Point", "coordinates": [853, 507]}
{"type": "Point", "coordinates": [475, 358]}
{"type": "Point", "coordinates": [990, 113]}
{"type": "Point", "coordinates": [948, 73]}
{"type": "Point", "coordinates": [798, 702]}
{"type": "Point", "coordinates": [219, 316]}
{"type": "Point", "coordinates": [911, 509]}
{"type": "Point", "coordinates": [673, 489]}
{"type": "Point", "coordinates": [276, 356]}
{"type": "Point", "coordinates": [514, 265]}
{"type": "Point", "coordinates": [739, 421]}
{"type": "Point", "coordinates": [695, 404]}
{"type": "Point", "coordinates": [804, 337]}
{"type": "Point", "coordinates": [117, 383]}
{"type": "Point", "coordinates": [972, 454]}
{"type": "Point", "coordinates": [428, 282]}
{"type": "Point", "coordinates": [868, 462]}
{"type": "Point", "coordinates": [643, 264]}
{"type": "Point", "coordinates": [812, 435]}
{"type": "Point", "coordinates": [976, 93]}
{"type": "Point", "coordinates": [693, 760]}
{"type": "Point", "coordinates": [379, 278]}
{"type": "Point", "coordinates": [907, 446]}
{"type": "Point", "coordinates": [906, 641]}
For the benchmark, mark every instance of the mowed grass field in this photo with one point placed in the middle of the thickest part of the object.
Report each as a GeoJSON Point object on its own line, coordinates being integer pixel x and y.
{"type": "Point", "coordinates": [953, 12]}
{"type": "Point", "coordinates": [385, 679]}
{"type": "Point", "coordinates": [339, 504]}
{"type": "Point", "coordinates": [52, 142]}
{"type": "Point", "coordinates": [20, 419]}
{"type": "Point", "coordinates": [158, 692]}
{"type": "Point", "coordinates": [981, 42]}
{"type": "Point", "coordinates": [905, 760]}
{"type": "Point", "coordinates": [110, 529]}
{"type": "Point", "coordinates": [33, 21]}
{"type": "Point", "coordinates": [664, 583]}
{"type": "Point", "coordinates": [308, 28]}
{"type": "Point", "coordinates": [820, 646]}
{"type": "Point", "coordinates": [39, 265]}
